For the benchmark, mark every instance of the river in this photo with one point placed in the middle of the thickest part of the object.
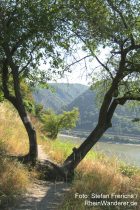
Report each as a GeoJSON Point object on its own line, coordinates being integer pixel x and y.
{"type": "Point", "coordinates": [130, 153]}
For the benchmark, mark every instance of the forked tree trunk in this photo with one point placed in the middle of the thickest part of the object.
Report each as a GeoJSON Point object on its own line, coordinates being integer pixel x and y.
{"type": "Point", "coordinates": [107, 110]}
{"type": "Point", "coordinates": [79, 153]}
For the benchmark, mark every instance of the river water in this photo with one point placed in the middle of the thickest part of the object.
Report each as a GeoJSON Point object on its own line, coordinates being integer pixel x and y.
{"type": "Point", "coordinates": [130, 153]}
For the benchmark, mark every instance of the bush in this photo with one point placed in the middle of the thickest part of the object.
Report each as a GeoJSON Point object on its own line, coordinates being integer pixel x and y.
{"type": "Point", "coordinates": [128, 170]}
{"type": "Point", "coordinates": [54, 123]}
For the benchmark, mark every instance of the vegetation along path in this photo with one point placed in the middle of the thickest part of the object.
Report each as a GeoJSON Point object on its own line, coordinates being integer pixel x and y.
{"type": "Point", "coordinates": [43, 195]}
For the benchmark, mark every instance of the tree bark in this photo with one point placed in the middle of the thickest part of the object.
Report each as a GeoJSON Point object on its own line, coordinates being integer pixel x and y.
{"type": "Point", "coordinates": [17, 102]}
{"type": "Point", "coordinates": [105, 115]}
{"type": "Point", "coordinates": [79, 153]}
{"type": "Point", "coordinates": [33, 153]}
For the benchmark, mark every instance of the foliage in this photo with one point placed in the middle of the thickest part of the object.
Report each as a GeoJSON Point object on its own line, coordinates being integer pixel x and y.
{"type": "Point", "coordinates": [38, 110]}
{"type": "Point", "coordinates": [32, 30]}
{"type": "Point", "coordinates": [88, 107]}
{"type": "Point", "coordinates": [113, 26]}
{"type": "Point", "coordinates": [128, 170]}
{"type": "Point", "coordinates": [54, 123]}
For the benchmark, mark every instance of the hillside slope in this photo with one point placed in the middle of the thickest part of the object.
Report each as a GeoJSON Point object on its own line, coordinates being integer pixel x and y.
{"type": "Point", "coordinates": [67, 96]}
{"type": "Point", "coordinates": [62, 95]}
{"type": "Point", "coordinates": [122, 120]}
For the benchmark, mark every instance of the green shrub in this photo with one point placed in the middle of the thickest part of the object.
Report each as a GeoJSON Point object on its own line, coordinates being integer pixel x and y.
{"type": "Point", "coordinates": [54, 123]}
{"type": "Point", "coordinates": [128, 170]}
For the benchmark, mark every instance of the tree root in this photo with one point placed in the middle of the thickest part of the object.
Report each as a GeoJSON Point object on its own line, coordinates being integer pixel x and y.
{"type": "Point", "coordinates": [26, 159]}
{"type": "Point", "coordinates": [53, 172]}
{"type": "Point", "coordinates": [48, 170]}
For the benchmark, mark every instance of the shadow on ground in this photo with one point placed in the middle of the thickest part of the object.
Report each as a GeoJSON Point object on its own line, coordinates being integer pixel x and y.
{"type": "Point", "coordinates": [44, 196]}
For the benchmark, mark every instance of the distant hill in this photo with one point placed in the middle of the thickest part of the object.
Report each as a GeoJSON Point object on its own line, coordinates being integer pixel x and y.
{"type": "Point", "coordinates": [67, 96]}
{"type": "Point", "coordinates": [122, 120]}
{"type": "Point", "coordinates": [62, 95]}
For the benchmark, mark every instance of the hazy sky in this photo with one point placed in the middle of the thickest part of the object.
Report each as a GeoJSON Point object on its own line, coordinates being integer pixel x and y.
{"type": "Point", "coordinates": [82, 71]}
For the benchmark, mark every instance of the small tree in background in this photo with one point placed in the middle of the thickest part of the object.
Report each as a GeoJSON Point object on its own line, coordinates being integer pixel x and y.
{"type": "Point", "coordinates": [54, 123]}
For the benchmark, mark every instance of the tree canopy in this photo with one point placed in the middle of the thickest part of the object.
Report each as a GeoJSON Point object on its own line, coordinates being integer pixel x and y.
{"type": "Point", "coordinates": [54, 123]}
{"type": "Point", "coordinates": [31, 32]}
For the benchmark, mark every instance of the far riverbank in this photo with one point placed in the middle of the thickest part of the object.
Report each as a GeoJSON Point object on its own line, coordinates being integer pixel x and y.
{"type": "Point", "coordinates": [130, 153]}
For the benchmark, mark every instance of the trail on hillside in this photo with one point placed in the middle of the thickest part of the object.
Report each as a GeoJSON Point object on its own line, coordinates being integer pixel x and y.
{"type": "Point", "coordinates": [43, 195]}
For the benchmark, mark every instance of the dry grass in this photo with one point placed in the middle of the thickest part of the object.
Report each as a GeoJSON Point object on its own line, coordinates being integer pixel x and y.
{"type": "Point", "coordinates": [97, 174]}
{"type": "Point", "coordinates": [57, 150]}
{"type": "Point", "coordinates": [12, 132]}
{"type": "Point", "coordinates": [14, 177]}
{"type": "Point", "coordinates": [14, 180]}
{"type": "Point", "coordinates": [98, 177]}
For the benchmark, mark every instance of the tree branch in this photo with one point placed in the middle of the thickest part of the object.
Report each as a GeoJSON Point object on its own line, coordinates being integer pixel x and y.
{"type": "Point", "coordinates": [115, 103]}
{"type": "Point", "coordinates": [108, 96]}
{"type": "Point", "coordinates": [77, 61]}
{"type": "Point", "coordinates": [122, 18]}
{"type": "Point", "coordinates": [132, 47]}
{"type": "Point", "coordinates": [5, 88]}
{"type": "Point", "coordinates": [12, 13]}
{"type": "Point", "coordinates": [111, 111]}
{"type": "Point", "coordinates": [103, 65]}
{"type": "Point", "coordinates": [23, 37]}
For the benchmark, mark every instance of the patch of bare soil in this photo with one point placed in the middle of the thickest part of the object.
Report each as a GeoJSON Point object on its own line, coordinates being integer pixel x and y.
{"type": "Point", "coordinates": [43, 195]}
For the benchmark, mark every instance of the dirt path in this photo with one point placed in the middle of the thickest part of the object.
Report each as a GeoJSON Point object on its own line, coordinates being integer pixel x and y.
{"type": "Point", "coordinates": [43, 195]}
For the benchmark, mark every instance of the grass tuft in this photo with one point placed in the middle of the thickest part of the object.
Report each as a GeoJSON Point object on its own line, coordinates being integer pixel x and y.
{"type": "Point", "coordinates": [12, 131]}
{"type": "Point", "coordinates": [14, 177]}
{"type": "Point", "coordinates": [95, 177]}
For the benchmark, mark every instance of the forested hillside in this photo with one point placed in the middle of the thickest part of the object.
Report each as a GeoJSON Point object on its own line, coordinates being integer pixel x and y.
{"type": "Point", "coordinates": [67, 96]}
{"type": "Point", "coordinates": [122, 121]}
{"type": "Point", "coordinates": [60, 95]}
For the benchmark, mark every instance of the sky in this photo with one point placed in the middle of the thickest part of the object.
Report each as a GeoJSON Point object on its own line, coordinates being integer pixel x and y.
{"type": "Point", "coordinates": [82, 71]}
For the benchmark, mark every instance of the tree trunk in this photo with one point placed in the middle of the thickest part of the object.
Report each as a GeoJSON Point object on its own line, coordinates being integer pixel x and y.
{"type": "Point", "coordinates": [17, 102]}
{"type": "Point", "coordinates": [33, 151]}
{"type": "Point", "coordinates": [79, 153]}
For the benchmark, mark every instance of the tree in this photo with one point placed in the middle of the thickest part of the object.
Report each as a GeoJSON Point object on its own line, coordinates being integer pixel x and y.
{"type": "Point", "coordinates": [30, 32]}
{"type": "Point", "coordinates": [114, 25]}
{"type": "Point", "coordinates": [54, 123]}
